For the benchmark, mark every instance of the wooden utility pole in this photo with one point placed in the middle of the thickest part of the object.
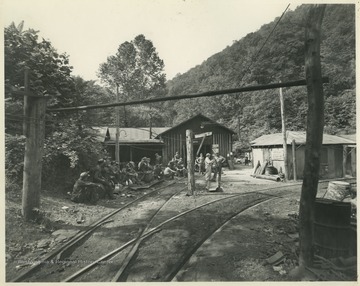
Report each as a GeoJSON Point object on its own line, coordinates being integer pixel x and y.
{"type": "Point", "coordinates": [314, 133]}
{"type": "Point", "coordinates": [283, 128]}
{"type": "Point", "coordinates": [190, 162]}
{"type": "Point", "coordinates": [294, 159]}
{"type": "Point", "coordinates": [345, 153]}
{"type": "Point", "coordinates": [34, 130]}
{"type": "Point", "coordinates": [117, 147]}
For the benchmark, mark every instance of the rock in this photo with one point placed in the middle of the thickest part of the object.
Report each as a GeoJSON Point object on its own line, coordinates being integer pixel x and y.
{"type": "Point", "coordinates": [64, 232]}
{"type": "Point", "coordinates": [80, 218]}
{"type": "Point", "coordinates": [155, 276]}
{"type": "Point", "coordinates": [294, 236]}
{"type": "Point", "coordinates": [276, 258]}
{"type": "Point", "coordinates": [299, 273]}
{"type": "Point", "coordinates": [43, 243]}
{"type": "Point", "coordinates": [61, 238]}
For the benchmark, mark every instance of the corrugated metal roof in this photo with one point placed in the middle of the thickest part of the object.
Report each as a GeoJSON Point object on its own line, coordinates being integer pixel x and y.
{"type": "Point", "coordinates": [299, 137]}
{"type": "Point", "coordinates": [131, 135]}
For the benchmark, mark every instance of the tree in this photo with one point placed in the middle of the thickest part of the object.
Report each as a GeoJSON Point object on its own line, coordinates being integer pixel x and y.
{"type": "Point", "coordinates": [50, 72]}
{"type": "Point", "coordinates": [136, 69]}
{"type": "Point", "coordinates": [281, 59]}
{"type": "Point", "coordinates": [69, 145]}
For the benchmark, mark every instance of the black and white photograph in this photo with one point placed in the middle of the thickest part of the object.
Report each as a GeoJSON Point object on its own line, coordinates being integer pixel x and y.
{"type": "Point", "coordinates": [179, 141]}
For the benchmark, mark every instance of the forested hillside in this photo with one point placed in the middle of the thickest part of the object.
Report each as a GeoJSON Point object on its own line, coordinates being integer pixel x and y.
{"type": "Point", "coordinates": [282, 58]}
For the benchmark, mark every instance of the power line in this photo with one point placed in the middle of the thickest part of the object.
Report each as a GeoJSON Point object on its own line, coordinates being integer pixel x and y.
{"type": "Point", "coordinates": [255, 57]}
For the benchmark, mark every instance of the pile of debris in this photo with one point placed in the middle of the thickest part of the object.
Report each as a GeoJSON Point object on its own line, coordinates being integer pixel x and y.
{"type": "Point", "coordinates": [267, 171]}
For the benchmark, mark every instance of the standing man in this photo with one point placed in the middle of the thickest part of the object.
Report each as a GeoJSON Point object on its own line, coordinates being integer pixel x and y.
{"type": "Point", "coordinates": [208, 167]}
{"type": "Point", "coordinates": [218, 161]}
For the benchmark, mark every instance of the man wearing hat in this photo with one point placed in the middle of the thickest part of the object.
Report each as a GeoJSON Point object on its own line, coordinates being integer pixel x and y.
{"type": "Point", "coordinates": [217, 166]}
{"type": "Point", "coordinates": [99, 178]}
{"type": "Point", "coordinates": [208, 166]}
{"type": "Point", "coordinates": [85, 191]}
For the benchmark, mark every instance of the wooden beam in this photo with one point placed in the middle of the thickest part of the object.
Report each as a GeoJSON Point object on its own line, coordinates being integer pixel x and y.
{"type": "Point", "coordinates": [34, 126]}
{"type": "Point", "coordinates": [117, 135]}
{"type": "Point", "coordinates": [314, 134]}
{"type": "Point", "coordinates": [188, 96]}
{"type": "Point", "coordinates": [282, 108]}
{"type": "Point", "coordinates": [203, 135]}
{"type": "Point", "coordinates": [294, 159]}
{"type": "Point", "coordinates": [190, 162]}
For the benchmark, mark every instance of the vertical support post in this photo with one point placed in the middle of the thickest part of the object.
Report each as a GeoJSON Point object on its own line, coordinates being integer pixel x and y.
{"type": "Point", "coordinates": [344, 159]}
{"type": "Point", "coordinates": [294, 159]}
{"type": "Point", "coordinates": [282, 105]}
{"type": "Point", "coordinates": [314, 134]}
{"type": "Point", "coordinates": [117, 147]}
{"type": "Point", "coordinates": [190, 162]}
{"type": "Point", "coordinates": [34, 126]}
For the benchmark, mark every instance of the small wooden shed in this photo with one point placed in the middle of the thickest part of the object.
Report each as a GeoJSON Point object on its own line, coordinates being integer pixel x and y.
{"type": "Point", "coordinates": [219, 138]}
{"type": "Point", "coordinates": [336, 160]}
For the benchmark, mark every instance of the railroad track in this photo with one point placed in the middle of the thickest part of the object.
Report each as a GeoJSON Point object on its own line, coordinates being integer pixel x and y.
{"type": "Point", "coordinates": [117, 262]}
{"type": "Point", "coordinates": [120, 262]}
{"type": "Point", "coordinates": [61, 254]}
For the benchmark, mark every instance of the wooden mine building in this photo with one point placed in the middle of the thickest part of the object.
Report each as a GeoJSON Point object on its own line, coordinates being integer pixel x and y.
{"type": "Point", "coordinates": [136, 143]}
{"type": "Point", "coordinates": [338, 154]}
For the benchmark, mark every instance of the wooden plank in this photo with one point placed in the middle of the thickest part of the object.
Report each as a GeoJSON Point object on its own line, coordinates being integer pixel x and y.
{"type": "Point", "coordinates": [201, 135]}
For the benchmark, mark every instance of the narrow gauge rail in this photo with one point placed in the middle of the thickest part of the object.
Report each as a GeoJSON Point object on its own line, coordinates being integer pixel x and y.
{"type": "Point", "coordinates": [146, 233]}
{"type": "Point", "coordinates": [65, 250]}
{"type": "Point", "coordinates": [98, 268]}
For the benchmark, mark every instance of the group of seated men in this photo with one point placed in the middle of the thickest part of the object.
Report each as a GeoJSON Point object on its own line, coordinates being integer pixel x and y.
{"type": "Point", "coordinates": [175, 167]}
{"type": "Point", "coordinates": [100, 181]}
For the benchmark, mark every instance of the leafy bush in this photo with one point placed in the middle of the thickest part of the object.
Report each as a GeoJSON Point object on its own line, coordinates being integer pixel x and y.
{"type": "Point", "coordinates": [68, 151]}
{"type": "Point", "coordinates": [14, 156]}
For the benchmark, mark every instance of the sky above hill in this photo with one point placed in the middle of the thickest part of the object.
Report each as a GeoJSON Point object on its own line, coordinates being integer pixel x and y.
{"type": "Point", "coordinates": [184, 32]}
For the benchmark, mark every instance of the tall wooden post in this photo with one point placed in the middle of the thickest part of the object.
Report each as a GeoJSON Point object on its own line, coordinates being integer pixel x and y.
{"type": "Point", "coordinates": [117, 147]}
{"type": "Point", "coordinates": [283, 127]}
{"type": "Point", "coordinates": [34, 130]}
{"type": "Point", "coordinates": [344, 163]}
{"type": "Point", "coordinates": [190, 162]}
{"type": "Point", "coordinates": [294, 159]}
{"type": "Point", "coordinates": [314, 133]}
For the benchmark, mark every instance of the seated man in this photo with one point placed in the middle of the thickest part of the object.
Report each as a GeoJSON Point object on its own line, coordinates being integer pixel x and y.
{"type": "Point", "coordinates": [146, 173]}
{"type": "Point", "coordinates": [85, 191]}
{"type": "Point", "coordinates": [180, 169]}
{"type": "Point", "coordinates": [99, 179]}
{"type": "Point", "coordinates": [169, 173]}
{"type": "Point", "coordinates": [158, 172]}
{"type": "Point", "coordinates": [131, 174]}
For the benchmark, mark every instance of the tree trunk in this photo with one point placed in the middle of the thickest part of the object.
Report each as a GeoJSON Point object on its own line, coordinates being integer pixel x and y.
{"type": "Point", "coordinates": [314, 133]}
